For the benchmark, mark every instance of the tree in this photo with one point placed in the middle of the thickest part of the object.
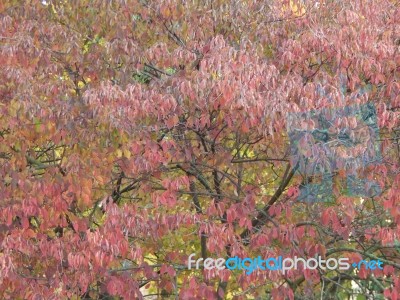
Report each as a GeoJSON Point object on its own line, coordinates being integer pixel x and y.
{"type": "Point", "coordinates": [134, 133]}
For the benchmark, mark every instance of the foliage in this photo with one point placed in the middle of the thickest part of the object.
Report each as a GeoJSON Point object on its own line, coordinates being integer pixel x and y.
{"type": "Point", "coordinates": [134, 133]}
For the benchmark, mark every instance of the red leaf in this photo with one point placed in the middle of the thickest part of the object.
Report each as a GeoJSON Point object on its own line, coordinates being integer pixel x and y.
{"type": "Point", "coordinates": [221, 293]}
{"type": "Point", "coordinates": [25, 222]}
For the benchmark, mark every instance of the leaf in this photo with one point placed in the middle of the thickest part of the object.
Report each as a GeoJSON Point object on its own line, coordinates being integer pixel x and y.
{"type": "Point", "coordinates": [221, 293]}
{"type": "Point", "coordinates": [172, 121]}
{"type": "Point", "coordinates": [119, 153]}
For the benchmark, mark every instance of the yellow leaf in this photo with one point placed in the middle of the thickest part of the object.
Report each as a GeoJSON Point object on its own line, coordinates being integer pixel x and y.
{"type": "Point", "coordinates": [127, 153]}
{"type": "Point", "coordinates": [14, 107]}
{"type": "Point", "coordinates": [81, 84]}
{"type": "Point", "coordinates": [297, 7]}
